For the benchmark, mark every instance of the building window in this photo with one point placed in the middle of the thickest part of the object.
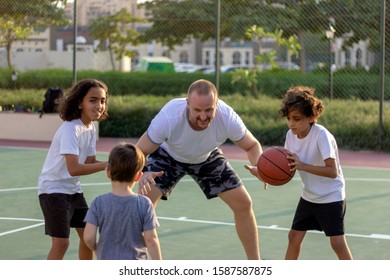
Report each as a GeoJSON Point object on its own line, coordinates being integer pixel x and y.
{"type": "Point", "coordinates": [184, 57]}
{"type": "Point", "coordinates": [135, 58]}
{"type": "Point", "coordinates": [348, 57]}
{"type": "Point", "coordinates": [247, 58]}
{"type": "Point", "coordinates": [359, 56]}
{"type": "Point", "coordinates": [236, 58]}
{"type": "Point", "coordinates": [207, 58]}
{"type": "Point", "coordinates": [150, 49]}
{"type": "Point", "coordinates": [166, 54]}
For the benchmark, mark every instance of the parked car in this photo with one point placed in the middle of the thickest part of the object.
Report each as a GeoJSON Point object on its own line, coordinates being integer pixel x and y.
{"type": "Point", "coordinates": [231, 68]}
{"type": "Point", "coordinates": [288, 66]}
{"type": "Point", "coordinates": [225, 69]}
{"type": "Point", "coordinates": [186, 67]}
{"type": "Point", "coordinates": [280, 65]}
{"type": "Point", "coordinates": [190, 68]}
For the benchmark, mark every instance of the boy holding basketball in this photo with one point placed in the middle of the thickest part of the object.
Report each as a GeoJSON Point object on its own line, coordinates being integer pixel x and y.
{"type": "Point", "coordinates": [314, 153]}
{"type": "Point", "coordinates": [127, 222]}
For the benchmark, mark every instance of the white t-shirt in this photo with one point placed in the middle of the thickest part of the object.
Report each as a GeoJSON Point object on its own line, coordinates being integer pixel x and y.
{"type": "Point", "coordinates": [317, 146]}
{"type": "Point", "coordinates": [71, 138]}
{"type": "Point", "coordinates": [171, 130]}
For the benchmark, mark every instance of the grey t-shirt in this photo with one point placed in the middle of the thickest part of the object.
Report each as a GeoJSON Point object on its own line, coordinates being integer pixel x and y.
{"type": "Point", "coordinates": [121, 221]}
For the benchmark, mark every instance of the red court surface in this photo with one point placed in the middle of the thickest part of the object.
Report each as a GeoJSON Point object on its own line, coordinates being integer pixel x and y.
{"type": "Point", "coordinates": [347, 158]}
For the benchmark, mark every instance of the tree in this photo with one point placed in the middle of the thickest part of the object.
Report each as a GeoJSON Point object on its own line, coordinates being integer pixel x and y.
{"type": "Point", "coordinates": [256, 34]}
{"type": "Point", "coordinates": [21, 18]}
{"type": "Point", "coordinates": [357, 20]}
{"type": "Point", "coordinates": [176, 21]}
{"type": "Point", "coordinates": [116, 31]}
{"type": "Point", "coordinates": [263, 59]}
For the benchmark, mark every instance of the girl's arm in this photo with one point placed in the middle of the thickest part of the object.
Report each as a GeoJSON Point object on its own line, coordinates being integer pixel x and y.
{"type": "Point", "coordinates": [153, 244]}
{"type": "Point", "coordinates": [92, 159]}
{"type": "Point", "coordinates": [90, 166]}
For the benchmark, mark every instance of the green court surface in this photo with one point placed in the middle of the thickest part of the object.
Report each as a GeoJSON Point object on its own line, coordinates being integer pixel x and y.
{"type": "Point", "coordinates": [194, 228]}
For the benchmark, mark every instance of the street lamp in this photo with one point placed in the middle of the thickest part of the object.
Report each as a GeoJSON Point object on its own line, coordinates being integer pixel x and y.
{"type": "Point", "coordinates": [329, 33]}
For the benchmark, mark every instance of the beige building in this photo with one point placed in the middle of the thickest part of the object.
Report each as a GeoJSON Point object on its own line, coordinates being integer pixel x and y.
{"type": "Point", "coordinates": [89, 10]}
{"type": "Point", "coordinates": [37, 42]}
{"type": "Point", "coordinates": [48, 49]}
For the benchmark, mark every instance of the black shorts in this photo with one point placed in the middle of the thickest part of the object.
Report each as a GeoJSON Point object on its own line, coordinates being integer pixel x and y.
{"type": "Point", "coordinates": [63, 211]}
{"type": "Point", "coordinates": [214, 176]}
{"type": "Point", "coordinates": [327, 217]}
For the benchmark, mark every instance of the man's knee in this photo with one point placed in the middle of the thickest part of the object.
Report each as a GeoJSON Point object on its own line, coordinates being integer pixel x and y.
{"type": "Point", "coordinates": [238, 199]}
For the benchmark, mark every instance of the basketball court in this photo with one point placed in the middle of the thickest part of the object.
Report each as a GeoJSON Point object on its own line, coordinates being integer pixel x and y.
{"type": "Point", "coordinates": [193, 228]}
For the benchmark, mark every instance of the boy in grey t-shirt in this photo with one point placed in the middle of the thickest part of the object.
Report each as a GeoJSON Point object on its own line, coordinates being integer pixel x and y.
{"type": "Point", "coordinates": [126, 221]}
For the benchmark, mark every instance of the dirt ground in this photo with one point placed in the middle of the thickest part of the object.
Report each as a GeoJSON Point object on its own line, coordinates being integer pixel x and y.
{"type": "Point", "coordinates": [347, 158]}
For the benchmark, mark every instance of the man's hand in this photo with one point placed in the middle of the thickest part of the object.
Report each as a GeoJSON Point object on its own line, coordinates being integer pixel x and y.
{"type": "Point", "coordinates": [253, 170]}
{"type": "Point", "coordinates": [147, 181]}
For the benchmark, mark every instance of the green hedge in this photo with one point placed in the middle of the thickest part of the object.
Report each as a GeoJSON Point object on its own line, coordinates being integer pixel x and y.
{"type": "Point", "coordinates": [355, 130]}
{"type": "Point", "coordinates": [355, 123]}
{"type": "Point", "coordinates": [356, 84]}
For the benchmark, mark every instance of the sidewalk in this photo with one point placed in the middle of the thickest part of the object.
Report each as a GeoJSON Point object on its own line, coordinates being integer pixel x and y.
{"type": "Point", "coordinates": [347, 158]}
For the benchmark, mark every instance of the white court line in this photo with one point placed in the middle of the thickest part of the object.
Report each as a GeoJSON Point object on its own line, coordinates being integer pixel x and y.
{"type": "Point", "coordinates": [185, 219]}
{"type": "Point", "coordinates": [191, 180]}
{"type": "Point", "coordinates": [21, 219]}
{"type": "Point", "coordinates": [272, 227]}
{"type": "Point", "coordinates": [18, 189]}
{"type": "Point", "coordinates": [36, 187]}
{"type": "Point", "coordinates": [23, 228]}
{"type": "Point", "coordinates": [342, 166]}
{"type": "Point", "coordinates": [20, 229]}
{"type": "Point", "coordinates": [346, 179]}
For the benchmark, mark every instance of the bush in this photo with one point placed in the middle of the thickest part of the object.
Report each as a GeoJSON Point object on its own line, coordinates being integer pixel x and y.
{"type": "Point", "coordinates": [29, 100]}
{"type": "Point", "coordinates": [358, 84]}
{"type": "Point", "coordinates": [354, 123]}
{"type": "Point", "coordinates": [129, 116]}
{"type": "Point", "coordinates": [356, 130]}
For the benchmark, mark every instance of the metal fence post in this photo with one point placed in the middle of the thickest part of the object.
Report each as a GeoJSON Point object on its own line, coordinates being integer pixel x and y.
{"type": "Point", "coordinates": [74, 40]}
{"type": "Point", "coordinates": [382, 70]}
{"type": "Point", "coordinates": [217, 42]}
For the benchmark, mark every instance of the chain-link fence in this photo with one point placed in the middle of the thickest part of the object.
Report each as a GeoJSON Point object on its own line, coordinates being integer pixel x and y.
{"type": "Point", "coordinates": [333, 44]}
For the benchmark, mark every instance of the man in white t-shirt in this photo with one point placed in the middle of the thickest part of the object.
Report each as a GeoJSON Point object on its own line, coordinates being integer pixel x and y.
{"type": "Point", "coordinates": [183, 139]}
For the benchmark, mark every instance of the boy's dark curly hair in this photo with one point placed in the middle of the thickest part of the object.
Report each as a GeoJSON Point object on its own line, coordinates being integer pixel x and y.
{"type": "Point", "coordinates": [302, 99]}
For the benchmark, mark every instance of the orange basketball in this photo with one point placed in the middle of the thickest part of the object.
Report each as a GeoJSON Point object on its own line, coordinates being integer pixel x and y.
{"type": "Point", "coordinates": [273, 168]}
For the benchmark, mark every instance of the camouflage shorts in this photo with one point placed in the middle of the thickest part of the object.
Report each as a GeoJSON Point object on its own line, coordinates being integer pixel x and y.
{"type": "Point", "coordinates": [214, 176]}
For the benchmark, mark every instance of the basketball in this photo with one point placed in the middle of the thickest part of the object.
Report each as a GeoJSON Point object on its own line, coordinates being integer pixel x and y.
{"type": "Point", "coordinates": [273, 168]}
